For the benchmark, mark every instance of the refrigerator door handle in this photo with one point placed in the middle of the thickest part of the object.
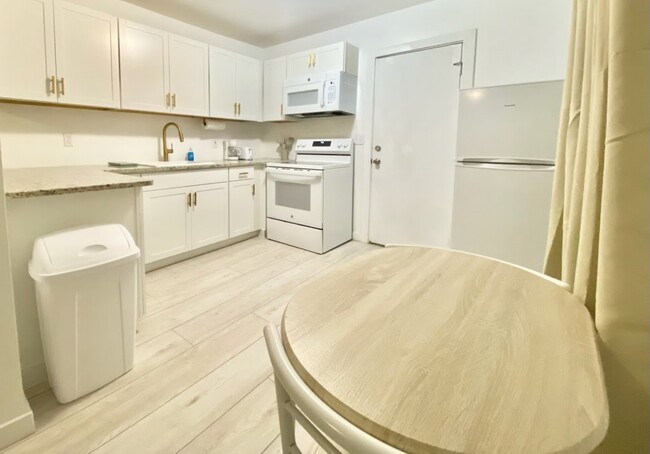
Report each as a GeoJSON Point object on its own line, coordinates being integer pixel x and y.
{"type": "Point", "coordinates": [506, 161]}
{"type": "Point", "coordinates": [515, 167]}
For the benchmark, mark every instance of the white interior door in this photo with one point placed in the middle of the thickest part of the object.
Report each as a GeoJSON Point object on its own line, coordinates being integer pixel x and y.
{"type": "Point", "coordinates": [87, 61]}
{"type": "Point", "coordinates": [414, 134]}
{"type": "Point", "coordinates": [144, 62]}
{"type": "Point", "coordinates": [27, 50]}
{"type": "Point", "coordinates": [188, 76]}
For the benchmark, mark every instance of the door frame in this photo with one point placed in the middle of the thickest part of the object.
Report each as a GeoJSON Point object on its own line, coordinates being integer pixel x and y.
{"type": "Point", "coordinates": [467, 40]}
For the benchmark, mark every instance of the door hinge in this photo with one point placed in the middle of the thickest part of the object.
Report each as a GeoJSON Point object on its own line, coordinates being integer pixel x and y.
{"type": "Point", "coordinates": [460, 65]}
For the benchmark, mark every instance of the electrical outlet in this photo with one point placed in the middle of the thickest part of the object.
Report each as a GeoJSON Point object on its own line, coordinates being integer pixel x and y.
{"type": "Point", "coordinates": [67, 140]}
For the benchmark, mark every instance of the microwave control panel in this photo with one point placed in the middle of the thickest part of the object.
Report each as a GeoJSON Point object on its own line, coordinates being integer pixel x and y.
{"type": "Point", "coordinates": [331, 89]}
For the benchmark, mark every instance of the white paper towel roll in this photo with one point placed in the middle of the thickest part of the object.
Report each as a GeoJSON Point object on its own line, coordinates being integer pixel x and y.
{"type": "Point", "coordinates": [214, 125]}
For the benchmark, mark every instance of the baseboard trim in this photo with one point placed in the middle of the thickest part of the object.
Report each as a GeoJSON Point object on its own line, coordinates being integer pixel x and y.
{"type": "Point", "coordinates": [16, 429]}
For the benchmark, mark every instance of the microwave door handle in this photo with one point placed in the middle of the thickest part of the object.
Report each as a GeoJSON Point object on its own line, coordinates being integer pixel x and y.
{"type": "Point", "coordinates": [322, 94]}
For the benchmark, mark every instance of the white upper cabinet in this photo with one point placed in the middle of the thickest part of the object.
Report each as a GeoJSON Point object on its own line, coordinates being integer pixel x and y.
{"type": "Point", "coordinates": [162, 72]}
{"type": "Point", "coordinates": [235, 86]}
{"type": "Point", "coordinates": [275, 73]}
{"type": "Point", "coordinates": [27, 50]}
{"type": "Point", "coordinates": [87, 62]}
{"type": "Point", "coordinates": [223, 83]}
{"type": "Point", "coordinates": [341, 56]}
{"type": "Point", "coordinates": [249, 88]}
{"type": "Point", "coordinates": [188, 69]}
{"type": "Point", "coordinates": [144, 60]}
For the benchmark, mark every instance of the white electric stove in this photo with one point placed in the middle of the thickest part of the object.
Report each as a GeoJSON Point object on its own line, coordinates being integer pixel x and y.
{"type": "Point", "coordinates": [309, 202]}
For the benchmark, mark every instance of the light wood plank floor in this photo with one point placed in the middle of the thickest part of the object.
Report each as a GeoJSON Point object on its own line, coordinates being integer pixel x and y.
{"type": "Point", "coordinates": [202, 380]}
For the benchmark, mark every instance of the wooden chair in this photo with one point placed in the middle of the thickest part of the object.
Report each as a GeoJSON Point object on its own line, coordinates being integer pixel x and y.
{"type": "Point", "coordinates": [296, 402]}
{"type": "Point", "coordinates": [557, 282]}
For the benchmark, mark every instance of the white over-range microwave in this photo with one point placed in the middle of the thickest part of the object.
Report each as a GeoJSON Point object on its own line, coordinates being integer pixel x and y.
{"type": "Point", "coordinates": [321, 95]}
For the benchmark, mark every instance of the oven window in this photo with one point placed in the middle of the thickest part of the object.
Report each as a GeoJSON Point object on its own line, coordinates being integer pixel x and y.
{"type": "Point", "coordinates": [293, 195]}
{"type": "Point", "coordinates": [303, 98]}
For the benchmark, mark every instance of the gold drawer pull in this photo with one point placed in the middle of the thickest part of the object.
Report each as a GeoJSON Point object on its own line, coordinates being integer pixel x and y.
{"type": "Point", "coordinates": [52, 84]}
{"type": "Point", "coordinates": [62, 86]}
{"type": "Point", "coordinates": [195, 198]}
{"type": "Point", "coordinates": [189, 199]}
{"type": "Point", "coordinates": [174, 101]}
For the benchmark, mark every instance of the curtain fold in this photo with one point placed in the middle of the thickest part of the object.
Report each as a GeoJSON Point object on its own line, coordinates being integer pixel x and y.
{"type": "Point", "coordinates": [599, 232]}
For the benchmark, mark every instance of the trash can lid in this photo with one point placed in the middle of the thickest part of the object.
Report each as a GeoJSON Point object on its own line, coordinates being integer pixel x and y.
{"type": "Point", "coordinates": [81, 248]}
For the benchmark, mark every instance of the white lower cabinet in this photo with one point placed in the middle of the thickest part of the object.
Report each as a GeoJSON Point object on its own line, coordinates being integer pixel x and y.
{"type": "Point", "coordinates": [242, 207]}
{"type": "Point", "coordinates": [167, 223]}
{"type": "Point", "coordinates": [209, 214]}
{"type": "Point", "coordinates": [190, 210]}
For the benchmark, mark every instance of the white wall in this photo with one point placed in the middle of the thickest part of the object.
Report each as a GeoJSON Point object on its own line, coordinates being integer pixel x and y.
{"type": "Point", "coordinates": [32, 136]}
{"type": "Point", "coordinates": [518, 41]}
{"type": "Point", "coordinates": [16, 419]}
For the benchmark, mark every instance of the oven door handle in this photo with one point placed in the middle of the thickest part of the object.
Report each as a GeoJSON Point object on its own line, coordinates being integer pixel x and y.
{"type": "Point", "coordinates": [290, 177]}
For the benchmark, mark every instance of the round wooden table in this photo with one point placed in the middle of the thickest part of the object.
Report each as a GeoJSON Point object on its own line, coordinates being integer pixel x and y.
{"type": "Point", "coordinates": [432, 350]}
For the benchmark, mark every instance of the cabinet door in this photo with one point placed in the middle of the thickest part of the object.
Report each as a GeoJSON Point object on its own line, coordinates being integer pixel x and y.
{"type": "Point", "coordinates": [275, 73]}
{"type": "Point", "coordinates": [249, 88]}
{"type": "Point", "coordinates": [27, 50]}
{"type": "Point", "coordinates": [242, 207]}
{"type": "Point", "coordinates": [166, 223]}
{"type": "Point", "coordinates": [87, 61]}
{"type": "Point", "coordinates": [299, 65]}
{"type": "Point", "coordinates": [209, 214]}
{"type": "Point", "coordinates": [223, 83]}
{"type": "Point", "coordinates": [329, 58]}
{"type": "Point", "coordinates": [144, 62]}
{"type": "Point", "coordinates": [188, 76]}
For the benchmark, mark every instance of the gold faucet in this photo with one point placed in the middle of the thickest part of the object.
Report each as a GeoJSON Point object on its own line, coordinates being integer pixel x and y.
{"type": "Point", "coordinates": [168, 151]}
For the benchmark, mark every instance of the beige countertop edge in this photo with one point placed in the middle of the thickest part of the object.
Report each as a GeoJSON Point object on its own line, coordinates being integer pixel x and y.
{"type": "Point", "coordinates": [143, 169]}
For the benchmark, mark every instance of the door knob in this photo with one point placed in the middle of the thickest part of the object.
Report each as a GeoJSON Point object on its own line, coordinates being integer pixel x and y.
{"type": "Point", "coordinates": [376, 161]}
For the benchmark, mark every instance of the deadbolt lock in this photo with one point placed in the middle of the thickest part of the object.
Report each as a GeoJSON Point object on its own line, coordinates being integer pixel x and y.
{"type": "Point", "coordinates": [377, 148]}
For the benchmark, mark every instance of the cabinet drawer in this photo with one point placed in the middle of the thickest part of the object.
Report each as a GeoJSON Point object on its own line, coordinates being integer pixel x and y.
{"type": "Point", "coordinates": [241, 173]}
{"type": "Point", "coordinates": [190, 178]}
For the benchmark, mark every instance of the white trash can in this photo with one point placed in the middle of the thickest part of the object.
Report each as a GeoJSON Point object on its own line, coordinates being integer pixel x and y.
{"type": "Point", "coordinates": [86, 295]}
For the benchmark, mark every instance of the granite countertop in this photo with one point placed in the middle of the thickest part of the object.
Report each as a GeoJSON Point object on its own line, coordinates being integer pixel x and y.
{"type": "Point", "coordinates": [183, 166]}
{"type": "Point", "coordinates": [41, 181]}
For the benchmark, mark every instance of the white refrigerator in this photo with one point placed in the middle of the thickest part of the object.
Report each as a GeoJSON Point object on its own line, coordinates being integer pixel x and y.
{"type": "Point", "coordinates": [504, 170]}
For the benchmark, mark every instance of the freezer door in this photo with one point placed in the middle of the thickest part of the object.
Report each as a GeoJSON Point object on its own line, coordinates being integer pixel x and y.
{"type": "Point", "coordinates": [502, 211]}
{"type": "Point", "coordinates": [513, 121]}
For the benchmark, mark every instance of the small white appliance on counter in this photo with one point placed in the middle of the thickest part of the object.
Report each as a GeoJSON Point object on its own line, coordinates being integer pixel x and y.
{"type": "Point", "coordinates": [309, 202]}
{"type": "Point", "coordinates": [504, 170]}
{"type": "Point", "coordinates": [321, 95]}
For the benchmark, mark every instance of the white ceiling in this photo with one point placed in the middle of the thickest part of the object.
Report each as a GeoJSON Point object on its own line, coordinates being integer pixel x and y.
{"type": "Point", "coordinates": [268, 22]}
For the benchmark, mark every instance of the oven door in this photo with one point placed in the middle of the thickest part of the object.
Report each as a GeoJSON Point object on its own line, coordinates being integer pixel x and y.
{"type": "Point", "coordinates": [295, 195]}
{"type": "Point", "coordinates": [308, 97]}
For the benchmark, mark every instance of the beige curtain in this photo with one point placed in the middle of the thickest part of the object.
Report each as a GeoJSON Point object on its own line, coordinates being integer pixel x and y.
{"type": "Point", "coordinates": [599, 235]}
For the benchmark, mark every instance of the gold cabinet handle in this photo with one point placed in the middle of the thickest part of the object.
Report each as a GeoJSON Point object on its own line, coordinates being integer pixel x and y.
{"type": "Point", "coordinates": [189, 200]}
{"type": "Point", "coordinates": [195, 198]}
{"type": "Point", "coordinates": [234, 107]}
{"type": "Point", "coordinates": [253, 190]}
{"type": "Point", "coordinates": [311, 60]}
{"type": "Point", "coordinates": [167, 99]}
{"type": "Point", "coordinates": [174, 101]}
{"type": "Point", "coordinates": [52, 84]}
{"type": "Point", "coordinates": [238, 108]}
{"type": "Point", "coordinates": [62, 86]}
{"type": "Point", "coordinates": [281, 109]}
{"type": "Point", "coordinates": [313, 64]}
